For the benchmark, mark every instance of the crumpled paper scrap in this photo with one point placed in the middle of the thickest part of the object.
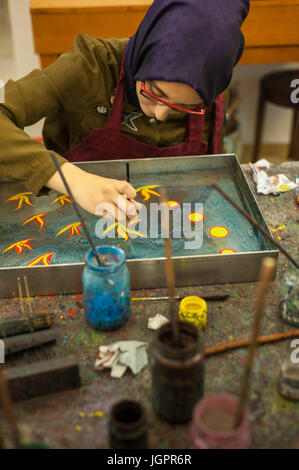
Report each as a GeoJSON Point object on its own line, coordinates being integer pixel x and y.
{"type": "Point", "coordinates": [121, 355]}
{"type": "Point", "coordinates": [262, 180]}
{"type": "Point", "coordinates": [282, 183]}
{"type": "Point", "coordinates": [269, 184]}
{"type": "Point", "coordinates": [155, 322]}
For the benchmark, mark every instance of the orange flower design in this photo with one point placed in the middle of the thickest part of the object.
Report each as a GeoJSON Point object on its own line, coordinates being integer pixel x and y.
{"type": "Point", "coordinates": [147, 191]}
{"type": "Point", "coordinates": [44, 259]}
{"type": "Point", "coordinates": [38, 219]}
{"type": "Point", "coordinates": [73, 228]}
{"type": "Point", "coordinates": [19, 246]}
{"type": "Point", "coordinates": [124, 231]}
{"type": "Point", "coordinates": [21, 198]}
{"type": "Point", "coordinates": [62, 200]}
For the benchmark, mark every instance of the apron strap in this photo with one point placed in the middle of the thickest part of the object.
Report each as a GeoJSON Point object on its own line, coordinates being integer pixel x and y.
{"type": "Point", "coordinates": [219, 104]}
{"type": "Point", "coordinates": [195, 127]}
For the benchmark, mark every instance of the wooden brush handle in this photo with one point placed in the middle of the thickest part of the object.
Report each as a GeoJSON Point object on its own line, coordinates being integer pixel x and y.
{"type": "Point", "coordinates": [244, 343]}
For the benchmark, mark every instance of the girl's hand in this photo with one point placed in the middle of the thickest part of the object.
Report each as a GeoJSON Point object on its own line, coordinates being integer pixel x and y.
{"type": "Point", "coordinates": [101, 196]}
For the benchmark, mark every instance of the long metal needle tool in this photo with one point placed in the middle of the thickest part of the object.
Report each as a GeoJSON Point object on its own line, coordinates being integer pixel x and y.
{"type": "Point", "coordinates": [100, 259]}
{"type": "Point", "coordinates": [256, 224]}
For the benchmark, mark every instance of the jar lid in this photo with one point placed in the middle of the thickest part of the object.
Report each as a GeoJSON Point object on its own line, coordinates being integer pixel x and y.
{"type": "Point", "coordinates": [194, 309]}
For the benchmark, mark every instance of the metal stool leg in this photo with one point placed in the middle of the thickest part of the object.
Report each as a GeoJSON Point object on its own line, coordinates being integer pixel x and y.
{"type": "Point", "coordinates": [294, 148]}
{"type": "Point", "coordinates": [259, 126]}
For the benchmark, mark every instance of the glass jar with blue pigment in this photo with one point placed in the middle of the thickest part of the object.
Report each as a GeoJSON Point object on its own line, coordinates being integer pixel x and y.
{"type": "Point", "coordinates": [106, 289]}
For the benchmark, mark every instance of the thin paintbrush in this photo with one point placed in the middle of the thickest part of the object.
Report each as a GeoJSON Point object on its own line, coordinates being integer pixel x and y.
{"type": "Point", "coordinates": [244, 343]}
{"type": "Point", "coordinates": [169, 268]}
{"type": "Point", "coordinates": [266, 273]}
{"type": "Point", "coordinates": [217, 295]}
{"type": "Point", "coordinates": [100, 259]}
{"type": "Point", "coordinates": [256, 224]}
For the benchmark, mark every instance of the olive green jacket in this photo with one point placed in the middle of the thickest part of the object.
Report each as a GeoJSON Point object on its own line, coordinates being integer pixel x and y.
{"type": "Point", "coordinates": [74, 94]}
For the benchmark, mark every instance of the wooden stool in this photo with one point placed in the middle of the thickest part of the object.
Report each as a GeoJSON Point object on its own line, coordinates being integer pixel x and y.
{"type": "Point", "coordinates": [276, 88]}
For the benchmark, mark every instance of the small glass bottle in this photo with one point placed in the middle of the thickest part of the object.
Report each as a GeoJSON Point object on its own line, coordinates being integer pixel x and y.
{"type": "Point", "coordinates": [106, 289]}
{"type": "Point", "coordinates": [128, 426]}
{"type": "Point", "coordinates": [177, 372]}
{"type": "Point", "coordinates": [213, 421]}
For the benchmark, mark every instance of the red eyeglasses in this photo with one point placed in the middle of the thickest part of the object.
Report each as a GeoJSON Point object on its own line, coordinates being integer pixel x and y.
{"type": "Point", "coordinates": [149, 95]}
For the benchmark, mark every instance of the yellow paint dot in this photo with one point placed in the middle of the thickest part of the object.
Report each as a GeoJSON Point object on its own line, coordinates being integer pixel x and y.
{"type": "Point", "coordinates": [196, 217]}
{"type": "Point", "coordinates": [173, 203]}
{"type": "Point", "coordinates": [218, 232]}
{"type": "Point", "coordinates": [78, 428]}
{"type": "Point", "coordinates": [82, 414]}
{"type": "Point", "coordinates": [61, 316]}
{"type": "Point", "coordinates": [227, 250]}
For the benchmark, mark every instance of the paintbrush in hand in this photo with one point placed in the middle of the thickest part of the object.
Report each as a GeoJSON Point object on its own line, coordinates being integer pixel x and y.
{"type": "Point", "coordinates": [100, 259]}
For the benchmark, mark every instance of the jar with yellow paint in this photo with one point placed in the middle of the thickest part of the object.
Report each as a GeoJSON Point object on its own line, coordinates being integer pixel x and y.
{"type": "Point", "coordinates": [194, 309]}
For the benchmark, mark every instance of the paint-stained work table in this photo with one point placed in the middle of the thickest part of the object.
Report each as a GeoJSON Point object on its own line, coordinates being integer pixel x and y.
{"type": "Point", "coordinates": [71, 420]}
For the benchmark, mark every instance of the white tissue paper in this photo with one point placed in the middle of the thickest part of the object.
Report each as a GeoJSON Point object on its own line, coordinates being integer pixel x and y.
{"type": "Point", "coordinates": [262, 180]}
{"type": "Point", "coordinates": [282, 183]}
{"type": "Point", "coordinates": [121, 355]}
{"type": "Point", "coordinates": [155, 322]}
{"type": "Point", "coordinates": [270, 184]}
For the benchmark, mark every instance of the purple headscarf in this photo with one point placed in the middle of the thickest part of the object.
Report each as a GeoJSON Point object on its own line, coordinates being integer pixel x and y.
{"type": "Point", "coordinates": [197, 42]}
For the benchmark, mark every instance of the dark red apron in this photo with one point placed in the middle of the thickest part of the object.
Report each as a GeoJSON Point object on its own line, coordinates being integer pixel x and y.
{"type": "Point", "coordinates": [110, 143]}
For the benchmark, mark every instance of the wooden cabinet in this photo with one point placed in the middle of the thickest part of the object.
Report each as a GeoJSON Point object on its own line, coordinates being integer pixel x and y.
{"type": "Point", "coordinates": [271, 29]}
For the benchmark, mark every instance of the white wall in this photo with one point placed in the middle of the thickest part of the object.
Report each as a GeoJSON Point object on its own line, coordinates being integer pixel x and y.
{"type": "Point", "coordinates": [24, 57]}
{"type": "Point", "coordinates": [277, 119]}
{"type": "Point", "coordinates": [22, 38]}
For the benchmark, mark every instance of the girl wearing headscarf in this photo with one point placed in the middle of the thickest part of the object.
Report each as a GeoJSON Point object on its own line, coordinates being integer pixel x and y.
{"type": "Point", "coordinates": [159, 94]}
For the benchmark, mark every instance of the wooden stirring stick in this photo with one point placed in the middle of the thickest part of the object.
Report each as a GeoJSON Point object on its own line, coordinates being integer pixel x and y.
{"type": "Point", "coordinates": [27, 294]}
{"type": "Point", "coordinates": [266, 273]}
{"type": "Point", "coordinates": [9, 410]}
{"type": "Point", "coordinates": [20, 294]}
{"type": "Point", "coordinates": [169, 269]}
{"type": "Point", "coordinates": [244, 343]}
